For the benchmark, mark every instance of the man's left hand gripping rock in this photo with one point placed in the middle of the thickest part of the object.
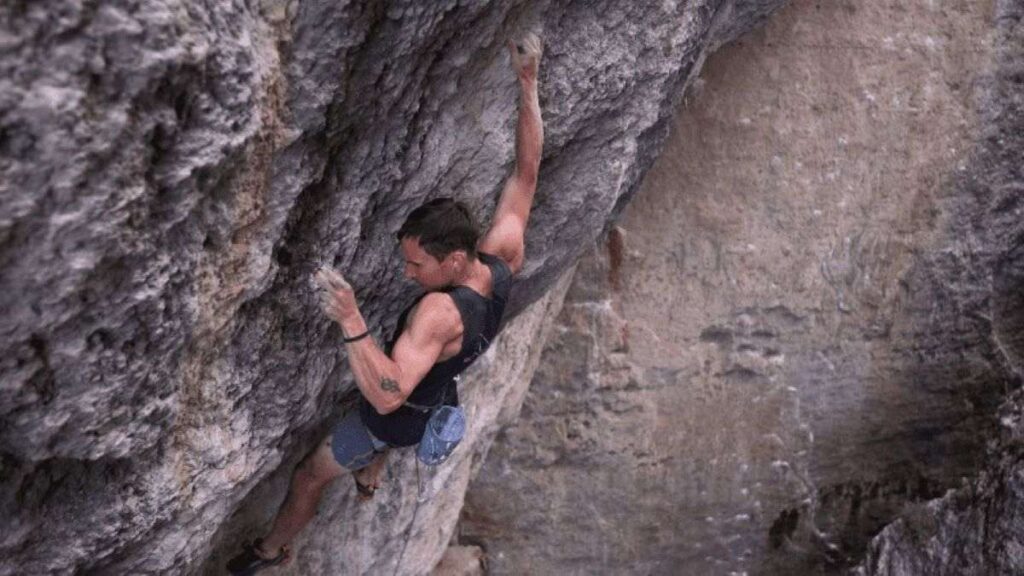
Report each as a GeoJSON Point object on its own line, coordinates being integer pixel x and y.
{"type": "Point", "coordinates": [338, 300]}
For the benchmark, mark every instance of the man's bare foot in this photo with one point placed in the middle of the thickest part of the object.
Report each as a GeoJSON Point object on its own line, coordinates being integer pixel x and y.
{"type": "Point", "coordinates": [368, 478]}
{"type": "Point", "coordinates": [274, 555]}
{"type": "Point", "coordinates": [366, 483]}
{"type": "Point", "coordinates": [526, 55]}
{"type": "Point", "coordinates": [254, 558]}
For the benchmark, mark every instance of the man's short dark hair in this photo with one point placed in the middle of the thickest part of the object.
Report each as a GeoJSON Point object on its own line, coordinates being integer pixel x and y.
{"type": "Point", "coordinates": [442, 226]}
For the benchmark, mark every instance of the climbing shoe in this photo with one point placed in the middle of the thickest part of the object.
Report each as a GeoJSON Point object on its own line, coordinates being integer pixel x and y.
{"type": "Point", "coordinates": [248, 561]}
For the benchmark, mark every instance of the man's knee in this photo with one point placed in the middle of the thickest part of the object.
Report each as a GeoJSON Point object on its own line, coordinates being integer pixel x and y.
{"type": "Point", "coordinates": [318, 468]}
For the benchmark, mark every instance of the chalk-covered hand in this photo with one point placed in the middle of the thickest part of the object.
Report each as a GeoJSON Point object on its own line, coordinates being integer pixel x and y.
{"type": "Point", "coordinates": [526, 56]}
{"type": "Point", "coordinates": [338, 300]}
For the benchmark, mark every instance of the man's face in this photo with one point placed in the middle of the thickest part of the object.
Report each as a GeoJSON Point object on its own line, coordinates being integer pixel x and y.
{"type": "Point", "coordinates": [423, 268]}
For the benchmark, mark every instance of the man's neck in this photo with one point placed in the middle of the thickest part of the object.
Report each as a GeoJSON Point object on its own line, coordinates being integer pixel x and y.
{"type": "Point", "coordinates": [473, 276]}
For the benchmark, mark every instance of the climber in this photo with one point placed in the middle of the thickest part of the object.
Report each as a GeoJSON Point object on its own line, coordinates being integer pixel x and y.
{"type": "Point", "coordinates": [467, 280]}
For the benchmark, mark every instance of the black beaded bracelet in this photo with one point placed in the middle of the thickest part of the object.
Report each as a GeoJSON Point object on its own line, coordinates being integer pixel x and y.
{"type": "Point", "coordinates": [355, 338]}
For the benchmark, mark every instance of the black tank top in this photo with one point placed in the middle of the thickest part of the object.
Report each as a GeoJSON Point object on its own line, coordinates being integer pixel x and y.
{"type": "Point", "coordinates": [480, 319]}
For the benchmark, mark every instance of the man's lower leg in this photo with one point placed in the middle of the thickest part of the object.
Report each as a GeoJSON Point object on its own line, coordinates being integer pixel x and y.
{"type": "Point", "coordinates": [308, 483]}
{"type": "Point", "coordinates": [298, 509]}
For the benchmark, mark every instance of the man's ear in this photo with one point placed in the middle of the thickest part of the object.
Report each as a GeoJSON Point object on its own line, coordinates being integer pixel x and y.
{"type": "Point", "coordinates": [457, 260]}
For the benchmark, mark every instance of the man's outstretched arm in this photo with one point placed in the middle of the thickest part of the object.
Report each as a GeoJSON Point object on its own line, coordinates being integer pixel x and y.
{"type": "Point", "coordinates": [505, 238]}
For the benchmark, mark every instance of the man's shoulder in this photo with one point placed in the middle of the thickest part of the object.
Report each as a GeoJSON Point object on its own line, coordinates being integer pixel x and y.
{"type": "Point", "coordinates": [438, 313]}
{"type": "Point", "coordinates": [439, 302]}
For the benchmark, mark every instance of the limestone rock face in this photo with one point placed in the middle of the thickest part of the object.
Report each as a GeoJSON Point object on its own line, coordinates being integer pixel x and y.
{"type": "Point", "coordinates": [804, 327]}
{"type": "Point", "coordinates": [973, 531]}
{"type": "Point", "coordinates": [171, 173]}
{"type": "Point", "coordinates": [979, 529]}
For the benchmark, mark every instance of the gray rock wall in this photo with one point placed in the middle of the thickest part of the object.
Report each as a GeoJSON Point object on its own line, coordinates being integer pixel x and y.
{"type": "Point", "coordinates": [805, 325]}
{"type": "Point", "coordinates": [170, 175]}
{"type": "Point", "coordinates": [979, 529]}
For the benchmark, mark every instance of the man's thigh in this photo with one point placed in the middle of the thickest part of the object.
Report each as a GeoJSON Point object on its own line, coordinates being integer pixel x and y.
{"type": "Point", "coordinates": [352, 444]}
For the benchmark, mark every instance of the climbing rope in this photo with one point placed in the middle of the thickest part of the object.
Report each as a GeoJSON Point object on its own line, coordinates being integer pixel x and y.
{"type": "Point", "coordinates": [412, 523]}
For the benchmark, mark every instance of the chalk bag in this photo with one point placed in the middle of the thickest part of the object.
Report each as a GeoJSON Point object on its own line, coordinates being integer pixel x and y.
{"type": "Point", "coordinates": [444, 431]}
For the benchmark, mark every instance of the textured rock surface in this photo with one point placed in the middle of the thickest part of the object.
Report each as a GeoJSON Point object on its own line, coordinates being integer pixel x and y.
{"type": "Point", "coordinates": [807, 324]}
{"type": "Point", "coordinates": [979, 530]}
{"type": "Point", "coordinates": [170, 175]}
{"type": "Point", "coordinates": [460, 561]}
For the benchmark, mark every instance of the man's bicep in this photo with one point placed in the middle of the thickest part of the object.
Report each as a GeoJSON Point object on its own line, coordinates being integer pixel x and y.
{"type": "Point", "coordinates": [505, 240]}
{"type": "Point", "coordinates": [421, 343]}
{"type": "Point", "coordinates": [414, 355]}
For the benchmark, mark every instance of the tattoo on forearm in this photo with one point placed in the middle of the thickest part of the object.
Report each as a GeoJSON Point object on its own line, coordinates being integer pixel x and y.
{"type": "Point", "coordinates": [389, 385]}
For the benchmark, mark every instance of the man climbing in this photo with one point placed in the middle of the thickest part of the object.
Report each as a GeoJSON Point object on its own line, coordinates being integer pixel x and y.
{"type": "Point", "coordinates": [467, 281]}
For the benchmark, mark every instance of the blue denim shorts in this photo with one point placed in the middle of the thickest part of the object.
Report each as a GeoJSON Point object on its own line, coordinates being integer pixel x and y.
{"type": "Point", "coordinates": [354, 447]}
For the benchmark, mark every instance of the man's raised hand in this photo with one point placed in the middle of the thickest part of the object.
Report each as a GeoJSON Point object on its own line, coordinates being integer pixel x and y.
{"type": "Point", "coordinates": [331, 279]}
{"type": "Point", "coordinates": [338, 300]}
{"type": "Point", "coordinates": [526, 55]}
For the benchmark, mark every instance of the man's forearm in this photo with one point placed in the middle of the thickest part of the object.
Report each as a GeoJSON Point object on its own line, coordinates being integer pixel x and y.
{"type": "Point", "coordinates": [517, 197]}
{"type": "Point", "coordinates": [376, 374]}
{"type": "Point", "coordinates": [529, 132]}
